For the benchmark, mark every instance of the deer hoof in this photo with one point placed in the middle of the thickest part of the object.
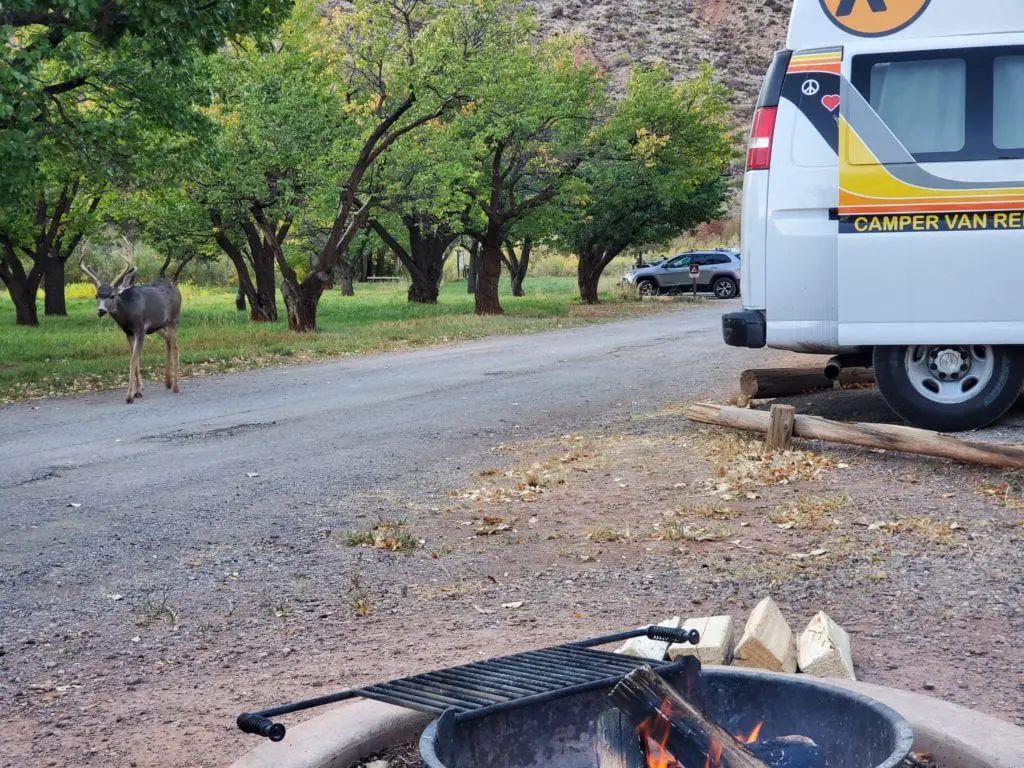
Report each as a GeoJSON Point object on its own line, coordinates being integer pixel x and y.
{"type": "Point", "coordinates": [169, 385]}
{"type": "Point", "coordinates": [129, 399]}
{"type": "Point", "coordinates": [175, 390]}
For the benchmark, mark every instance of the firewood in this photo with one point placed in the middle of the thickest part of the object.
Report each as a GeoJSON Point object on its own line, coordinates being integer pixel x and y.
{"type": "Point", "coordinates": [888, 437]}
{"type": "Point", "coordinates": [767, 641]}
{"type": "Point", "coordinates": [715, 646]}
{"type": "Point", "coordinates": [683, 729]}
{"type": "Point", "coordinates": [824, 649]}
{"type": "Point", "coordinates": [762, 383]}
{"type": "Point", "coordinates": [617, 745]}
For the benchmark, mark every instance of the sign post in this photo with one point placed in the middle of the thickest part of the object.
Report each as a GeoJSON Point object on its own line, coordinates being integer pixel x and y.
{"type": "Point", "coordinates": [695, 275]}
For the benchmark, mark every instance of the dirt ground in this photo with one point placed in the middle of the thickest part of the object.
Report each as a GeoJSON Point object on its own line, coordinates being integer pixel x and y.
{"type": "Point", "coordinates": [546, 541]}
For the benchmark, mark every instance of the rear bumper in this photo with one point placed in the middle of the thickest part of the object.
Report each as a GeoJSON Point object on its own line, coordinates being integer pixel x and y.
{"type": "Point", "coordinates": [747, 328]}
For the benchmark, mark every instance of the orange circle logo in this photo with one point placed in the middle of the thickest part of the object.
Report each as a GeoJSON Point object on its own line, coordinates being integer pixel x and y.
{"type": "Point", "coordinates": [873, 18]}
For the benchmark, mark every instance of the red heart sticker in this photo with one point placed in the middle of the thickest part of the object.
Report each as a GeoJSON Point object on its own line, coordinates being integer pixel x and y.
{"type": "Point", "coordinates": [831, 103]}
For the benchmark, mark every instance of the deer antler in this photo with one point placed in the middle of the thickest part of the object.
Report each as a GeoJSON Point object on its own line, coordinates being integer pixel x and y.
{"type": "Point", "coordinates": [129, 265]}
{"type": "Point", "coordinates": [82, 266]}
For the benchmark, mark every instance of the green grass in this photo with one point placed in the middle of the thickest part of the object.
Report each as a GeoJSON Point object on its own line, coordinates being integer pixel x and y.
{"type": "Point", "coordinates": [82, 352]}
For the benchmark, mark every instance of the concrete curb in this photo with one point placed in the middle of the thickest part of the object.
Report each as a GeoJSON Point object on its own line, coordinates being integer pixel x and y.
{"type": "Point", "coordinates": [964, 738]}
{"type": "Point", "coordinates": [339, 737]}
{"type": "Point", "coordinates": [356, 729]}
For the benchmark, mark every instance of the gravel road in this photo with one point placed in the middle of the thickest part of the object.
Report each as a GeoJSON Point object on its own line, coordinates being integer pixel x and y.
{"type": "Point", "coordinates": [166, 565]}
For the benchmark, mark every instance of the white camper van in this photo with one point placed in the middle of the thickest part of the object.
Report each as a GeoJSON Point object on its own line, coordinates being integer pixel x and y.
{"type": "Point", "coordinates": [883, 202]}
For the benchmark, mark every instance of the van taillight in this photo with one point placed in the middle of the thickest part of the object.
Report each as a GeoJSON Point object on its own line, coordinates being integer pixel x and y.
{"type": "Point", "coordinates": [759, 151]}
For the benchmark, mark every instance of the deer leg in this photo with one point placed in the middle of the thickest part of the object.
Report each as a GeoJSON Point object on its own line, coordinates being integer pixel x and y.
{"type": "Point", "coordinates": [134, 375]}
{"type": "Point", "coordinates": [172, 335]}
{"type": "Point", "coordinates": [167, 337]}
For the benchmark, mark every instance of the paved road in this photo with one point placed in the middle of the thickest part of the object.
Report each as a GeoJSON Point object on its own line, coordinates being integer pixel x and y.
{"type": "Point", "coordinates": [353, 423]}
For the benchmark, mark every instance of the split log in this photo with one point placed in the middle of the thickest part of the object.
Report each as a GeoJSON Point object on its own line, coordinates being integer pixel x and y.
{"type": "Point", "coordinates": [679, 726]}
{"type": "Point", "coordinates": [888, 437]}
{"type": "Point", "coordinates": [824, 649]}
{"type": "Point", "coordinates": [617, 744]}
{"type": "Point", "coordinates": [761, 383]}
{"type": "Point", "coordinates": [767, 641]}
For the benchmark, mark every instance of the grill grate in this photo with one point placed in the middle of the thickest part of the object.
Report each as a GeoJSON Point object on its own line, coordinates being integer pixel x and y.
{"type": "Point", "coordinates": [483, 687]}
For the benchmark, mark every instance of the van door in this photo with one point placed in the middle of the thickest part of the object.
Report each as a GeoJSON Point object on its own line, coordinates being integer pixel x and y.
{"type": "Point", "coordinates": [801, 238]}
{"type": "Point", "coordinates": [931, 180]}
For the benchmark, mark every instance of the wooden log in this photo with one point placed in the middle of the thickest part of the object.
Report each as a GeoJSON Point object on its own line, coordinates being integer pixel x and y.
{"type": "Point", "coordinates": [715, 646]}
{"type": "Point", "coordinates": [823, 649]}
{"type": "Point", "coordinates": [780, 427]}
{"type": "Point", "coordinates": [761, 383]}
{"type": "Point", "coordinates": [678, 726]}
{"type": "Point", "coordinates": [767, 641]}
{"type": "Point", "coordinates": [890, 437]}
{"type": "Point", "coordinates": [617, 744]}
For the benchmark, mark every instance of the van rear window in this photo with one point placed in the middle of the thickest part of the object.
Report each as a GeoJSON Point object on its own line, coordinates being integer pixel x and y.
{"type": "Point", "coordinates": [949, 105]}
{"type": "Point", "coordinates": [923, 102]}
{"type": "Point", "coordinates": [1008, 105]}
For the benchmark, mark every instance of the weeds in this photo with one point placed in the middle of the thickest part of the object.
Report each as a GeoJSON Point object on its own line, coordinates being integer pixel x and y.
{"type": "Point", "coordinates": [686, 532]}
{"type": "Point", "coordinates": [389, 535]}
{"type": "Point", "coordinates": [606, 534]}
{"type": "Point", "coordinates": [810, 512]}
{"type": "Point", "coordinates": [360, 599]}
{"type": "Point", "coordinates": [155, 609]}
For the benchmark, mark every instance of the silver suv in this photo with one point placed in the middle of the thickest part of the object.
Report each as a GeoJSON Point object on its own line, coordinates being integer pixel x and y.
{"type": "Point", "coordinates": [719, 274]}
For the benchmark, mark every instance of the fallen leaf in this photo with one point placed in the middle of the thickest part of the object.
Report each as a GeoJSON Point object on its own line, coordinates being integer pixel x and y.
{"type": "Point", "coordinates": [948, 495]}
{"type": "Point", "coordinates": [744, 524]}
{"type": "Point", "coordinates": [115, 597]}
{"type": "Point", "coordinates": [751, 495]}
{"type": "Point", "coordinates": [484, 611]}
{"type": "Point", "coordinates": [252, 474]}
{"type": "Point", "coordinates": [74, 504]}
{"type": "Point", "coordinates": [516, 604]}
{"type": "Point", "coordinates": [786, 526]}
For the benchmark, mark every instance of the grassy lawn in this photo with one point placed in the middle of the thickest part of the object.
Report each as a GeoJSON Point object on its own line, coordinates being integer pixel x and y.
{"type": "Point", "coordinates": [82, 352]}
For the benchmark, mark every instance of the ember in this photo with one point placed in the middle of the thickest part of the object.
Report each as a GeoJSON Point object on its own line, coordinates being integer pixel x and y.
{"type": "Point", "coordinates": [675, 732]}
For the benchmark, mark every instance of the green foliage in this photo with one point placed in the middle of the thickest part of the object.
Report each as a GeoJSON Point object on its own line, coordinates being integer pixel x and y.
{"type": "Point", "coordinates": [656, 168]}
{"type": "Point", "coordinates": [82, 82]}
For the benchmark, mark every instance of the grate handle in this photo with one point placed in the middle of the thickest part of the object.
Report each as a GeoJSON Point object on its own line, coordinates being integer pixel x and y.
{"type": "Point", "coordinates": [669, 635]}
{"type": "Point", "coordinates": [261, 726]}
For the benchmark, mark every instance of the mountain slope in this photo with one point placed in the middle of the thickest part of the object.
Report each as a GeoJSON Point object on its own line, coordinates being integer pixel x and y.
{"type": "Point", "coordinates": [737, 37]}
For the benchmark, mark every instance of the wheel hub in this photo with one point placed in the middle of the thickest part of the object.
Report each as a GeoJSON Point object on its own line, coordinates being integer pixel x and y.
{"type": "Point", "coordinates": [949, 363]}
{"type": "Point", "coordinates": [949, 374]}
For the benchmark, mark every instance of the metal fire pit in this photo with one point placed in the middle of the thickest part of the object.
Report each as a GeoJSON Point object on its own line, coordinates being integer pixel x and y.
{"type": "Point", "coordinates": [852, 730]}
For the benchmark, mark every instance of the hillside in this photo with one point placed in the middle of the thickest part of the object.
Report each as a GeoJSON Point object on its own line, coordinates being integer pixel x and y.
{"type": "Point", "coordinates": [737, 37]}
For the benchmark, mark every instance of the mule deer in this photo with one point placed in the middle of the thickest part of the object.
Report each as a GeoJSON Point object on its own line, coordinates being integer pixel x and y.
{"type": "Point", "coordinates": [140, 310]}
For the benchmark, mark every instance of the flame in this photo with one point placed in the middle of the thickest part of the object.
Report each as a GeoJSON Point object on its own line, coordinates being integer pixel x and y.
{"type": "Point", "coordinates": [752, 737]}
{"type": "Point", "coordinates": [654, 732]}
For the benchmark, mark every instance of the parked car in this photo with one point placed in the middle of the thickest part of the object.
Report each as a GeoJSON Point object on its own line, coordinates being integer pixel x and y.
{"type": "Point", "coordinates": [719, 274]}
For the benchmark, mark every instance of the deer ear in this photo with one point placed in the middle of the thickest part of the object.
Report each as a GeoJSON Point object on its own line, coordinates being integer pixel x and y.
{"type": "Point", "coordinates": [127, 281]}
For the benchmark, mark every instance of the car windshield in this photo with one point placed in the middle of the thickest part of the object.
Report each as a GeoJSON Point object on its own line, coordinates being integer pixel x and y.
{"type": "Point", "coordinates": [678, 261]}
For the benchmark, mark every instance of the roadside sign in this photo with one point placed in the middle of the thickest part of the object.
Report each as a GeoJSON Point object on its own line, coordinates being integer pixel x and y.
{"type": "Point", "coordinates": [694, 271]}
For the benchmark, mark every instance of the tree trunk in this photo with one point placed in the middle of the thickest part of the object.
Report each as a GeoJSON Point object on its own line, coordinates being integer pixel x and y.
{"type": "Point", "coordinates": [378, 271]}
{"type": "Point", "coordinates": [263, 304]}
{"type": "Point", "coordinates": [301, 301]}
{"type": "Point", "coordinates": [587, 282]}
{"type": "Point", "coordinates": [23, 296]}
{"type": "Point", "coordinates": [240, 300]}
{"type": "Point", "coordinates": [518, 265]}
{"type": "Point", "coordinates": [54, 303]}
{"type": "Point", "coordinates": [592, 263]}
{"type": "Point", "coordinates": [489, 274]}
{"type": "Point", "coordinates": [346, 285]}
{"type": "Point", "coordinates": [474, 266]}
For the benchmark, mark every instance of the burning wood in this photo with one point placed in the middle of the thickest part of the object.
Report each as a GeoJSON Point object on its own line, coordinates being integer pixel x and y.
{"type": "Point", "coordinates": [676, 733]}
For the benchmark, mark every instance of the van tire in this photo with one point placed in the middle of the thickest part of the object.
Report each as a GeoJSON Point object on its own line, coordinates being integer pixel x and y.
{"type": "Point", "coordinates": [1000, 378]}
{"type": "Point", "coordinates": [724, 288]}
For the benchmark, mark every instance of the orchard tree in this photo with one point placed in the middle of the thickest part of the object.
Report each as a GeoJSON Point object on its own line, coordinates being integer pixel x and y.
{"type": "Point", "coordinates": [280, 110]}
{"type": "Point", "coordinates": [527, 131]}
{"type": "Point", "coordinates": [657, 169]}
{"type": "Point", "coordinates": [89, 90]}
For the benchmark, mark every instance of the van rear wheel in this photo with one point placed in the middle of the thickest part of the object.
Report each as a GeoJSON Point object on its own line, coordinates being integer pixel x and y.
{"type": "Point", "coordinates": [950, 387]}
